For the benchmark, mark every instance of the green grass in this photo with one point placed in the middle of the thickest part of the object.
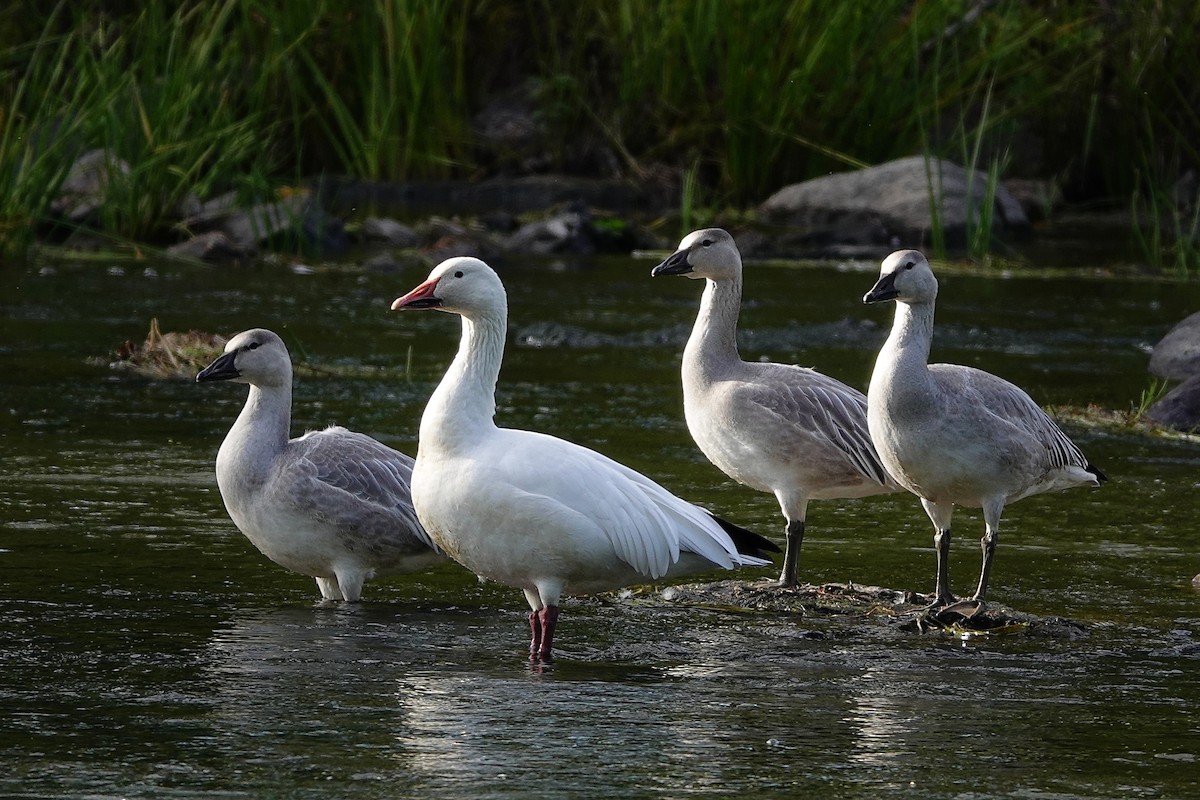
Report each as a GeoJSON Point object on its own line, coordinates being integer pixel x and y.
{"type": "Point", "coordinates": [741, 96]}
{"type": "Point", "coordinates": [390, 97]}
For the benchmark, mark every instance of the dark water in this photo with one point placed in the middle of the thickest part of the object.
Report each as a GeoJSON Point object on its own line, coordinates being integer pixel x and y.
{"type": "Point", "coordinates": [147, 650]}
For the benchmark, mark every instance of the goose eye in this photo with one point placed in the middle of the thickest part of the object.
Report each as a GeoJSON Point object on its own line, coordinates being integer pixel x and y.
{"type": "Point", "coordinates": [910, 264]}
{"type": "Point", "coordinates": [253, 345]}
{"type": "Point", "coordinates": [706, 243]}
{"type": "Point", "coordinates": [458, 274]}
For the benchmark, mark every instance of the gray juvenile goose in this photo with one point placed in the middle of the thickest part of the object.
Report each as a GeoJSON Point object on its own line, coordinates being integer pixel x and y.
{"type": "Point", "coordinates": [955, 435]}
{"type": "Point", "coordinates": [776, 428]}
{"type": "Point", "coordinates": [333, 504]}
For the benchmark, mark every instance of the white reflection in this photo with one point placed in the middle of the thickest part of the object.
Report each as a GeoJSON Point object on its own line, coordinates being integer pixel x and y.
{"type": "Point", "coordinates": [882, 724]}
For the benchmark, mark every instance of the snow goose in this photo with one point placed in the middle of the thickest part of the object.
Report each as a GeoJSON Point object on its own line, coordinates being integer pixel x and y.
{"type": "Point", "coordinates": [533, 511]}
{"type": "Point", "coordinates": [332, 504]}
{"type": "Point", "coordinates": [776, 428]}
{"type": "Point", "coordinates": [956, 435]}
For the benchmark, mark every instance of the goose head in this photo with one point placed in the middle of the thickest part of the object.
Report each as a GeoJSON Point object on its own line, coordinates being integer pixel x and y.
{"type": "Point", "coordinates": [256, 356]}
{"type": "Point", "coordinates": [463, 285]}
{"type": "Point", "coordinates": [905, 277]}
{"type": "Point", "coordinates": [709, 253]}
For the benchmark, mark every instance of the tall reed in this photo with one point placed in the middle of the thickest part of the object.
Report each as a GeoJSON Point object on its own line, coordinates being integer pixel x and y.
{"type": "Point", "coordinates": [388, 78]}
{"type": "Point", "coordinates": [43, 112]}
{"type": "Point", "coordinates": [203, 96]}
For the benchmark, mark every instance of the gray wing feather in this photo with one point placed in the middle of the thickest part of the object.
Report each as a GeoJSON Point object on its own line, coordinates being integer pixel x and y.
{"type": "Point", "coordinates": [376, 476]}
{"type": "Point", "coordinates": [827, 408]}
{"type": "Point", "coordinates": [1013, 406]}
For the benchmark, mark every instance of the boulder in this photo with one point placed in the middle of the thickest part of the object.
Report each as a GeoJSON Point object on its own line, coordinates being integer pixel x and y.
{"type": "Point", "coordinates": [296, 218]}
{"type": "Point", "coordinates": [382, 229]}
{"type": "Point", "coordinates": [568, 232]}
{"type": "Point", "coordinates": [445, 238]}
{"type": "Point", "coordinates": [1177, 355]}
{"type": "Point", "coordinates": [1038, 198]}
{"type": "Point", "coordinates": [1179, 409]}
{"type": "Point", "coordinates": [891, 205]}
{"type": "Point", "coordinates": [86, 185]}
{"type": "Point", "coordinates": [210, 246]}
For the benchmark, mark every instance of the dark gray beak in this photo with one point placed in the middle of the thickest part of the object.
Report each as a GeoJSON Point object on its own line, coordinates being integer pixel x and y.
{"type": "Point", "coordinates": [677, 264]}
{"type": "Point", "coordinates": [884, 289]}
{"type": "Point", "coordinates": [220, 370]}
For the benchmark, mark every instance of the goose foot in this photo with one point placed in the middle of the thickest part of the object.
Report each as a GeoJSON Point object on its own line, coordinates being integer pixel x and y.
{"type": "Point", "coordinates": [963, 609]}
{"type": "Point", "coordinates": [939, 602]}
{"type": "Point", "coordinates": [939, 616]}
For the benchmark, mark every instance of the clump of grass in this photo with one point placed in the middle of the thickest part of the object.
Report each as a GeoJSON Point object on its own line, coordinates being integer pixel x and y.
{"type": "Point", "coordinates": [172, 355]}
{"type": "Point", "coordinates": [1157, 389]}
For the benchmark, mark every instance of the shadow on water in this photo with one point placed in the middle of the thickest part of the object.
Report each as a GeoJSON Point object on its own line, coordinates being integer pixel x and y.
{"type": "Point", "coordinates": [149, 651]}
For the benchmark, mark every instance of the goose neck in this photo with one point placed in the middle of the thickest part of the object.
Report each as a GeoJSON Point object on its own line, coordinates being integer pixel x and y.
{"type": "Point", "coordinates": [466, 397]}
{"type": "Point", "coordinates": [912, 331]}
{"type": "Point", "coordinates": [901, 374]}
{"type": "Point", "coordinates": [262, 427]}
{"type": "Point", "coordinates": [713, 342]}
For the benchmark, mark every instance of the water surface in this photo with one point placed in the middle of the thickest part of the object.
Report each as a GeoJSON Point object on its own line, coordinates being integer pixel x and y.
{"type": "Point", "coordinates": [147, 650]}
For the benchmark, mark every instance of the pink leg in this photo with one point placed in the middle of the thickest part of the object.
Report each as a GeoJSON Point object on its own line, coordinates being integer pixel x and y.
{"type": "Point", "coordinates": [535, 628]}
{"type": "Point", "coordinates": [549, 619]}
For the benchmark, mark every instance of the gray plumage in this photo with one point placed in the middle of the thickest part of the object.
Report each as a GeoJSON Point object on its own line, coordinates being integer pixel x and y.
{"type": "Point", "coordinates": [777, 428]}
{"type": "Point", "coordinates": [956, 435]}
{"type": "Point", "coordinates": [333, 504]}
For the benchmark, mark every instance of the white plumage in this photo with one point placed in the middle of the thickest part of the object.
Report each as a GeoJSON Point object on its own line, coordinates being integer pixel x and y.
{"type": "Point", "coordinates": [777, 428]}
{"type": "Point", "coordinates": [333, 504]}
{"type": "Point", "coordinates": [956, 435]}
{"type": "Point", "coordinates": [530, 510]}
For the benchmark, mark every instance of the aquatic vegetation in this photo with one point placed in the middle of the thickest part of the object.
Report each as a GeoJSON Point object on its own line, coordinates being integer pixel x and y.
{"type": "Point", "coordinates": [174, 355]}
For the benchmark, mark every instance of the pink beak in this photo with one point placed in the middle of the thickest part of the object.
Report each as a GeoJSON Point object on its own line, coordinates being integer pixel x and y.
{"type": "Point", "coordinates": [418, 298]}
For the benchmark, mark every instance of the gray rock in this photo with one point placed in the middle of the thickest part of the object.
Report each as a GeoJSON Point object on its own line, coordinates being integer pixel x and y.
{"type": "Point", "coordinates": [889, 205]}
{"type": "Point", "coordinates": [188, 206]}
{"type": "Point", "coordinates": [448, 238]}
{"type": "Point", "coordinates": [210, 246]}
{"type": "Point", "coordinates": [296, 218]}
{"type": "Point", "coordinates": [1038, 198]}
{"type": "Point", "coordinates": [383, 229]}
{"type": "Point", "coordinates": [567, 232]}
{"type": "Point", "coordinates": [258, 224]}
{"type": "Point", "coordinates": [1179, 409]}
{"type": "Point", "coordinates": [1177, 355]}
{"type": "Point", "coordinates": [86, 185]}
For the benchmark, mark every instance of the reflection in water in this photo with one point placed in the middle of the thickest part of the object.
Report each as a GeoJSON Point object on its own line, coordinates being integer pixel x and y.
{"type": "Point", "coordinates": [882, 723]}
{"type": "Point", "coordinates": [464, 732]}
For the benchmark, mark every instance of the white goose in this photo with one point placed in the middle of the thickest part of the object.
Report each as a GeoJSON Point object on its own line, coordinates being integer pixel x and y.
{"type": "Point", "coordinates": [530, 510]}
{"type": "Point", "coordinates": [955, 435]}
{"type": "Point", "coordinates": [332, 504]}
{"type": "Point", "coordinates": [776, 428]}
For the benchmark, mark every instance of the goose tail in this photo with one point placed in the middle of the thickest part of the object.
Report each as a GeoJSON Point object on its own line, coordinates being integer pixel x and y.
{"type": "Point", "coordinates": [748, 543]}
